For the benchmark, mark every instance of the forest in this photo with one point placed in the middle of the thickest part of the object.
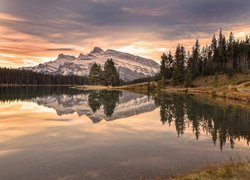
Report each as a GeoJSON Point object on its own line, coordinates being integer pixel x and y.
{"type": "Point", "coordinates": [25, 77]}
{"type": "Point", "coordinates": [97, 76]}
{"type": "Point", "coordinates": [222, 56]}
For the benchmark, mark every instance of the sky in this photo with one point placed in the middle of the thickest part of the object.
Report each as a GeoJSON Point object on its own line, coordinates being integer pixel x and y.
{"type": "Point", "coordinates": [36, 31]}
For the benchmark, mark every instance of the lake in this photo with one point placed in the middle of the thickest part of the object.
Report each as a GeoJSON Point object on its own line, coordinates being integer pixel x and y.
{"type": "Point", "coordinates": [64, 133]}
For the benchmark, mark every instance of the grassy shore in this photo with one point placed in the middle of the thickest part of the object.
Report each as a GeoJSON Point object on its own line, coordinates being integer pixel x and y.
{"type": "Point", "coordinates": [236, 87]}
{"type": "Point", "coordinates": [93, 87]}
{"type": "Point", "coordinates": [35, 85]}
{"type": "Point", "coordinates": [226, 171]}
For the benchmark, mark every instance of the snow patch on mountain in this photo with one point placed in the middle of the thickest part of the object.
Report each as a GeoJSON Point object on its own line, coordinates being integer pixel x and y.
{"type": "Point", "coordinates": [129, 66]}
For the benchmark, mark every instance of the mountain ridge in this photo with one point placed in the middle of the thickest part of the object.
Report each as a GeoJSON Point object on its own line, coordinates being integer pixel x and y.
{"type": "Point", "coordinates": [130, 67]}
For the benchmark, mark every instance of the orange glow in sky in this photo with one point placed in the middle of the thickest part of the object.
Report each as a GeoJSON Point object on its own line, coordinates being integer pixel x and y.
{"type": "Point", "coordinates": [34, 32]}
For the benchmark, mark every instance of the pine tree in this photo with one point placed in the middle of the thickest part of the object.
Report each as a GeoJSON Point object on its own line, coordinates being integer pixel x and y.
{"type": "Point", "coordinates": [95, 74]}
{"type": "Point", "coordinates": [94, 101]}
{"type": "Point", "coordinates": [209, 68]}
{"type": "Point", "coordinates": [188, 78]}
{"type": "Point", "coordinates": [166, 67]}
{"type": "Point", "coordinates": [178, 74]}
{"type": "Point", "coordinates": [163, 68]}
{"type": "Point", "coordinates": [195, 63]}
{"type": "Point", "coordinates": [222, 53]}
{"type": "Point", "coordinates": [111, 75]}
{"type": "Point", "coordinates": [204, 60]}
{"type": "Point", "coordinates": [215, 53]}
{"type": "Point", "coordinates": [231, 63]}
{"type": "Point", "coordinates": [169, 65]}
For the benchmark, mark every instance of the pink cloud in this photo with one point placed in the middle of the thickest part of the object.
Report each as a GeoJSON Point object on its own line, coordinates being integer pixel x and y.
{"type": "Point", "coordinates": [145, 12]}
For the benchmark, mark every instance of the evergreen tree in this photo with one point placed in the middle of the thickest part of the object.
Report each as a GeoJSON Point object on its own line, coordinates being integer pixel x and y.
{"type": "Point", "coordinates": [94, 101]}
{"type": "Point", "coordinates": [221, 58]}
{"type": "Point", "coordinates": [231, 63]}
{"type": "Point", "coordinates": [194, 63]}
{"type": "Point", "coordinates": [178, 73]}
{"type": "Point", "coordinates": [109, 101]}
{"type": "Point", "coordinates": [166, 67]}
{"type": "Point", "coordinates": [215, 53]}
{"type": "Point", "coordinates": [188, 78]}
{"type": "Point", "coordinates": [163, 68]}
{"type": "Point", "coordinates": [111, 75]}
{"type": "Point", "coordinates": [169, 65]}
{"type": "Point", "coordinates": [209, 67]}
{"type": "Point", "coordinates": [95, 74]}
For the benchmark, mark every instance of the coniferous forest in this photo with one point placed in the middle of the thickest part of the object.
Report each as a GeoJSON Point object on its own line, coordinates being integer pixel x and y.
{"type": "Point", "coordinates": [222, 56]}
{"type": "Point", "coordinates": [25, 77]}
{"type": "Point", "coordinates": [97, 76]}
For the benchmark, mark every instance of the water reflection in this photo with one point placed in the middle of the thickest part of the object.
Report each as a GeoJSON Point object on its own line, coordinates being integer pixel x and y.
{"type": "Point", "coordinates": [108, 99]}
{"type": "Point", "coordinates": [223, 123]}
{"type": "Point", "coordinates": [97, 105]}
{"type": "Point", "coordinates": [16, 93]}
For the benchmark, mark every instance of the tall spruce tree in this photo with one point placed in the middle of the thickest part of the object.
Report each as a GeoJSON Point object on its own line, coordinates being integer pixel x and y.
{"type": "Point", "coordinates": [178, 73]}
{"type": "Point", "coordinates": [166, 67]}
{"type": "Point", "coordinates": [215, 53]}
{"type": "Point", "coordinates": [95, 74]}
{"type": "Point", "coordinates": [195, 63]}
{"type": "Point", "coordinates": [163, 68]}
{"type": "Point", "coordinates": [169, 65]}
{"type": "Point", "coordinates": [111, 75]}
{"type": "Point", "coordinates": [231, 63]}
{"type": "Point", "coordinates": [222, 53]}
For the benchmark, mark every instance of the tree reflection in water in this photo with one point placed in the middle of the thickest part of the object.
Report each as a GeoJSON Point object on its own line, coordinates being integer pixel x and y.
{"type": "Point", "coordinates": [108, 99]}
{"type": "Point", "coordinates": [223, 123]}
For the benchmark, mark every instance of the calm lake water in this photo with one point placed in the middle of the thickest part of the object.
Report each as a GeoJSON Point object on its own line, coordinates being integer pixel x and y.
{"type": "Point", "coordinates": [62, 133]}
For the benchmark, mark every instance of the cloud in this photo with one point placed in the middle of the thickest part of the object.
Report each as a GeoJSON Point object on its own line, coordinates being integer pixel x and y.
{"type": "Point", "coordinates": [9, 17]}
{"type": "Point", "coordinates": [145, 12]}
{"type": "Point", "coordinates": [60, 49]}
{"type": "Point", "coordinates": [101, 1]}
{"type": "Point", "coordinates": [35, 31]}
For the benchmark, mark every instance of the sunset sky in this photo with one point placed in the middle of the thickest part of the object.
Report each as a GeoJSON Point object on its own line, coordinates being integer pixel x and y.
{"type": "Point", "coordinates": [35, 31]}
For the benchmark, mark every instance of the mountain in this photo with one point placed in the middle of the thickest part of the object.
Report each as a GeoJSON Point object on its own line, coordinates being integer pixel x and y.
{"type": "Point", "coordinates": [129, 104]}
{"type": "Point", "coordinates": [129, 66]}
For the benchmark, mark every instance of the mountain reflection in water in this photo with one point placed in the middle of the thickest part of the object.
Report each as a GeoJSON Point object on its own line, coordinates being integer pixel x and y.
{"type": "Point", "coordinates": [223, 123]}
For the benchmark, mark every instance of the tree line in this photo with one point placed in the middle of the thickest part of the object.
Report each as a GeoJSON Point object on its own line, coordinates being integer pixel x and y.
{"type": "Point", "coordinates": [26, 77]}
{"type": "Point", "coordinates": [223, 56]}
{"type": "Point", "coordinates": [97, 76]}
{"type": "Point", "coordinates": [20, 93]}
{"type": "Point", "coordinates": [109, 76]}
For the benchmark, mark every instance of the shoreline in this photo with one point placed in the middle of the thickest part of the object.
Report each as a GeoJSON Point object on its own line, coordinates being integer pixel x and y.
{"type": "Point", "coordinates": [231, 93]}
{"type": "Point", "coordinates": [235, 93]}
{"type": "Point", "coordinates": [28, 85]}
{"type": "Point", "coordinates": [231, 170]}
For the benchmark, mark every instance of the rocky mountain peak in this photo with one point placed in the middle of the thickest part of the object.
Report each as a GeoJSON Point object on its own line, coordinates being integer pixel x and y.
{"type": "Point", "coordinates": [130, 67]}
{"type": "Point", "coordinates": [63, 56]}
{"type": "Point", "coordinates": [81, 55]}
{"type": "Point", "coordinates": [96, 50]}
